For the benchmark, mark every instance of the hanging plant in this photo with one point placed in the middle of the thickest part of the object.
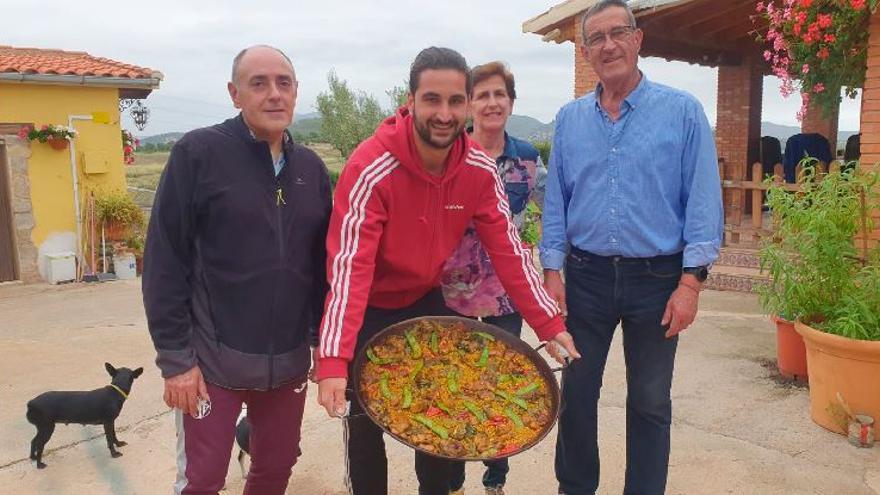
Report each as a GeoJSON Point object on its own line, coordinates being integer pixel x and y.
{"type": "Point", "coordinates": [46, 133]}
{"type": "Point", "coordinates": [817, 47]}
{"type": "Point", "coordinates": [130, 144]}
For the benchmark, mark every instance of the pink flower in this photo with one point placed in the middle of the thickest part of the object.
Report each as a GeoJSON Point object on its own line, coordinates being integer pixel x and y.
{"type": "Point", "coordinates": [830, 38]}
{"type": "Point", "coordinates": [824, 20]}
{"type": "Point", "coordinates": [823, 53]}
{"type": "Point", "coordinates": [767, 55]}
{"type": "Point", "coordinates": [759, 7]}
{"type": "Point", "coordinates": [857, 4]}
{"type": "Point", "coordinates": [805, 69]}
{"type": "Point", "coordinates": [818, 88]}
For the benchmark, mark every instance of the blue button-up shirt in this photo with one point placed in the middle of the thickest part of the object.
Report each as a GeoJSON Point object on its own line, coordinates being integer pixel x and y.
{"type": "Point", "coordinates": [644, 185]}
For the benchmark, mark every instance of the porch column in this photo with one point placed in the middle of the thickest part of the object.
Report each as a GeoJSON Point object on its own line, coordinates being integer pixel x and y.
{"type": "Point", "coordinates": [870, 118]}
{"type": "Point", "coordinates": [738, 131]}
{"type": "Point", "coordinates": [815, 121]}
{"type": "Point", "coordinates": [585, 78]}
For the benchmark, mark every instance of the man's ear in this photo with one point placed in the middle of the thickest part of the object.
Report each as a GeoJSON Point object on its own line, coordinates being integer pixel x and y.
{"type": "Point", "coordinates": [110, 369]}
{"type": "Point", "coordinates": [233, 93]}
{"type": "Point", "coordinates": [410, 101]}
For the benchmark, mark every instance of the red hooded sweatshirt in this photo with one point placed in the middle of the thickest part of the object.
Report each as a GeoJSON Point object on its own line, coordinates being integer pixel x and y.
{"type": "Point", "coordinates": [394, 225]}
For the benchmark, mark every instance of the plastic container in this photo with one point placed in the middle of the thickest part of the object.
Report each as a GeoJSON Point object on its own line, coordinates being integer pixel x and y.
{"type": "Point", "coordinates": [61, 267]}
{"type": "Point", "coordinates": [125, 266]}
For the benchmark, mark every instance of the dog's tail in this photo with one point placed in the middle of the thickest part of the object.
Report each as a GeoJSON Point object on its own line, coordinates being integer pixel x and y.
{"type": "Point", "coordinates": [34, 416]}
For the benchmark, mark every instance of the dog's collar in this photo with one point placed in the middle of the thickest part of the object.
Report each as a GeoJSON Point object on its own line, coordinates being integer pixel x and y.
{"type": "Point", "coordinates": [121, 392]}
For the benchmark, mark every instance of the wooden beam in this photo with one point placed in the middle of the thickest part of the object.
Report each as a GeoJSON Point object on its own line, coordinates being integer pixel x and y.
{"type": "Point", "coordinates": [679, 10]}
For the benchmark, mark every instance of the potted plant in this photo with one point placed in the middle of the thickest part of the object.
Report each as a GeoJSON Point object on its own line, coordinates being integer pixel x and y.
{"type": "Point", "coordinates": [830, 282]}
{"type": "Point", "coordinates": [120, 216]}
{"type": "Point", "coordinates": [57, 136]}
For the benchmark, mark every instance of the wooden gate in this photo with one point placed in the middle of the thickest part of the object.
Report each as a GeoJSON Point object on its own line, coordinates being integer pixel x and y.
{"type": "Point", "coordinates": [8, 257]}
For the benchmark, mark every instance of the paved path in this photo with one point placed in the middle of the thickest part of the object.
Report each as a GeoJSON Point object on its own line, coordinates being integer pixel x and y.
{"type": "Point", "coordinates": [736, 429]}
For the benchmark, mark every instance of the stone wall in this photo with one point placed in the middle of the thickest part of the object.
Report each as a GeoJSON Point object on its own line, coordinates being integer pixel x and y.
{"type": "Point", "coordinates": [17, 155]}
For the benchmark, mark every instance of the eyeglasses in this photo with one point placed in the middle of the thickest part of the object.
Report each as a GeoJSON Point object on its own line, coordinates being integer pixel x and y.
{"type": "Point", "coordinates": [617, 34]}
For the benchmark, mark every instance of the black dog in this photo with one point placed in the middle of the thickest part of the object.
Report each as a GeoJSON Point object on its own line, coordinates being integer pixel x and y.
{"type": "Point", "coordinates": [97, 407]}
{"type": "Point", "coordinates": [243, 439]}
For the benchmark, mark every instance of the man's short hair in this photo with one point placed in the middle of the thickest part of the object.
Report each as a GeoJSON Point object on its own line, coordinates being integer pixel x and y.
{"type": "Point", "coordinates": [438, 58]}
{"type": "Point", "coordinates": [237, 60]}
{"type": "Point", "coordinates": [602, 5]}
{"type": "Point", "coordinates": [496, 68]}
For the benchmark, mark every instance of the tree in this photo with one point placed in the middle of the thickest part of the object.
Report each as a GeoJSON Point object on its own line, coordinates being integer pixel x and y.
{"type": "Point", "coordinates": [348, 116]}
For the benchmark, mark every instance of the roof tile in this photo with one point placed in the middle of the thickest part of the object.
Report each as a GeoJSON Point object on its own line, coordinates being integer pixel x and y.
{"type": "Point", "coordinates": [60, 62]}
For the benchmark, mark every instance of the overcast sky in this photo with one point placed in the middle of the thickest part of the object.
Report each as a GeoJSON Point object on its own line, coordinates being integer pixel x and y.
{"type": "Point", "coordinates": [370, 43]}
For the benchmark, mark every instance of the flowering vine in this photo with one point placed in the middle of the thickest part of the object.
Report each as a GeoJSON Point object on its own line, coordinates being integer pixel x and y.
{"type": "Point", "coordinates": [130, 144]}
{"type": "Point", "coordinates": [817, 47]}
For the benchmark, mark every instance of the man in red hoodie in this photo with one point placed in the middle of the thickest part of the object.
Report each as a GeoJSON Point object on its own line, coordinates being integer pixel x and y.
{"type": "Point", "coordinates": [402, 204]}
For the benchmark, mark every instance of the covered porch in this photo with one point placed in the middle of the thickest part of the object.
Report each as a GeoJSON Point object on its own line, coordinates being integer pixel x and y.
{"type": "Point", "coordinates": [722, 34]}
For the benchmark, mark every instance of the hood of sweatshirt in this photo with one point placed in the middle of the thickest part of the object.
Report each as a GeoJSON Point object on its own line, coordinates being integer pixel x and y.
{"type": "Point", "coordinates": [397, 135]}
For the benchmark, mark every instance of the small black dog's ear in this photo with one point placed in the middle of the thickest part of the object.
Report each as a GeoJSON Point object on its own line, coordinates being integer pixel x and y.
{"type": "Point", "coordinates": [110, 369]}
{"type": "Point", "coordinates": [137, 372]}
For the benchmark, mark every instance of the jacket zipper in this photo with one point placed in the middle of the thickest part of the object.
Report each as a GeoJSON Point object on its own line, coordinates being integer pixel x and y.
{"type": "Point", "coordinates": [279, 204]}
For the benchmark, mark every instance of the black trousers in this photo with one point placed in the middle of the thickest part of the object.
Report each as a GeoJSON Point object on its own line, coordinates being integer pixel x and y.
{"type": "Point", "coordinates": [367, 464]}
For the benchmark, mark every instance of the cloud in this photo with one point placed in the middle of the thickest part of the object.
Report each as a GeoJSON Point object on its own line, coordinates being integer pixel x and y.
{"type": "Point", "coordinates": [369, 43]}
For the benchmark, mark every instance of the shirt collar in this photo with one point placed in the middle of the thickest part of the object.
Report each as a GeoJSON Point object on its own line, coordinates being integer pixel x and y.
{"type": "Point", "coordinates": [509, 145]}
{"type": "Point", "coordinates": [633, 99]}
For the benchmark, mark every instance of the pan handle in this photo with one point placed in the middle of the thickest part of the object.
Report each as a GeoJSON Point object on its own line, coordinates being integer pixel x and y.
{"type": "Point", "coordinates": [560, 368]}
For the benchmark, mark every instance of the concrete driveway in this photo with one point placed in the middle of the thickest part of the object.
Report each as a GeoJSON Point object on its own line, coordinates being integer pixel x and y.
{"type": "Point", "coordinates": [737, 429]}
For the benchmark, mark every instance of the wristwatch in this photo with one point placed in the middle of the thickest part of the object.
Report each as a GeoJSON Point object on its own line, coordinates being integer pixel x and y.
{"type": "Point", "coordinates": [700, 272]}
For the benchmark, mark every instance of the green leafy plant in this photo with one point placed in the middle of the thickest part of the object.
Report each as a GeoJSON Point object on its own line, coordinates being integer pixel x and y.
{"type": "Point", "coordinates": [531, 228]}
{"type": "Point", "coordinates": [118, 206]}
{"type": "Point", "coordinates": [818, 273]}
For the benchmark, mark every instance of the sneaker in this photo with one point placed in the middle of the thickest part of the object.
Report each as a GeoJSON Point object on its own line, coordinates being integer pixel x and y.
{"type": "Point", "coordinates": [495, 490]}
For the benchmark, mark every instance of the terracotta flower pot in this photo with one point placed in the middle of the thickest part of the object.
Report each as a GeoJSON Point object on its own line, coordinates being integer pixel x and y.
{"type": "Point", "coordinates": [57, 143]}
{"type": "Point", "coordinates": [791, 354]}
{"type": "Point", "coordinates": [115, 231]}
{"type": "Point", "coordinates": [841, 365]}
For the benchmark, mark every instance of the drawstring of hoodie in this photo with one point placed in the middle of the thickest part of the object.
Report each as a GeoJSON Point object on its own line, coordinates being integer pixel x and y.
{"type": "Point", "coordinates": [424, 218]}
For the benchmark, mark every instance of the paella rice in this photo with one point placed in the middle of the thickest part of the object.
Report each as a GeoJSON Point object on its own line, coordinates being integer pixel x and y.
{"type": "Point", "coordinates": [454, 392]}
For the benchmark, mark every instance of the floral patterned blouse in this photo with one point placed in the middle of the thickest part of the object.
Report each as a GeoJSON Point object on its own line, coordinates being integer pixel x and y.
{"type": "Point", "coordinates": [470, 285]}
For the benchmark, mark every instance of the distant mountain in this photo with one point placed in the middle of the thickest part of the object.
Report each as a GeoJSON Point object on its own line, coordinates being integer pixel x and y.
{"type": "Point", "coordinates": [168, 137]}
{"type": "Point", "coordinates": [529, 128]}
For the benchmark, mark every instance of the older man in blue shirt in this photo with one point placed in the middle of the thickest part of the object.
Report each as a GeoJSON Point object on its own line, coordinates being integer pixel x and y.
{"type": "Point", "coordinates": [633, 213]}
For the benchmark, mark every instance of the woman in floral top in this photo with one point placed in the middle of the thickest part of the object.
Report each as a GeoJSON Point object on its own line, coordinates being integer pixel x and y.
{"type": "Point", "coordinates": [470, 285]}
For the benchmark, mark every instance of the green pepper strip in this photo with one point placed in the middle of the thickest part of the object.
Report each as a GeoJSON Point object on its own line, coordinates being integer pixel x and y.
{"type": "Point", "coordinates": [484, 357]}
{"type": "Point", "coordinates": [516, 400]}
{"type": "Point", "coordinates": [513, 417]}
{"type": "Point", "coordinates": [443, 408]}
{"type": "Point", "coordinates": [475, 409]}
{"type": "Point", "coordinates": [439, 430]}
{"type": "Point", "coordinates": [376, 359]}
{"type": "Point", "coordinates": [414, 345]}
{"type": "Point", "coordinates": [452, 381]}
{"type": "Point", "coordinates": [383, 387]}
{"type": "Point", "coordinates": [435, 343]}
{"type": "Point", "coordinates": [527, 389]}
{"type": "Point", "coordinates": [416, 369]}
{"type": "Point", "coordinates": [504, 378]}
{"type": "Point", "coordinates": [407, 397]}
{"type": "Point", "coordinates": [485, 336]}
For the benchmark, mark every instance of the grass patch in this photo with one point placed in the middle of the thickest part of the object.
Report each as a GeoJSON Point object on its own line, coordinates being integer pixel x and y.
{"type": "Point", "coordinates": [147, 167]}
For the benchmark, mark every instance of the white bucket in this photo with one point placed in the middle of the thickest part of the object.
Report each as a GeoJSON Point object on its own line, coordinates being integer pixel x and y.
{"type": "Point", "coordinates": [125, 266]}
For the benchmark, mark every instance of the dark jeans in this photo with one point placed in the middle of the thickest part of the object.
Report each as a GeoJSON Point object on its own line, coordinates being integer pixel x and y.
{"type": "Point", "coordinates": [602, 292]}
{"type": "Point", "coordinates": [496, 471]}
{"type": "Point", "coordinates": [366, 463]}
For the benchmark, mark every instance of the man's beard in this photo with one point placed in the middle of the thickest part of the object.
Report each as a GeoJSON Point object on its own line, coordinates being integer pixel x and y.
{"type": "Point", "coordinates": [424, 131]}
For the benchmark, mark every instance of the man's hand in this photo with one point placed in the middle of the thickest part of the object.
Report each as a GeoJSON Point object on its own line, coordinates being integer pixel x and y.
{"type": "Point", "coordinates": [682, 306]}
{"type": "Point", "coordinates": [331, 395]}
{"type": "Point", "coordinates": [184, 390]}
{"type": "Point", "coordinates": [554, 285]}
{"type": "Point", "coordinates": [567, 342]}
